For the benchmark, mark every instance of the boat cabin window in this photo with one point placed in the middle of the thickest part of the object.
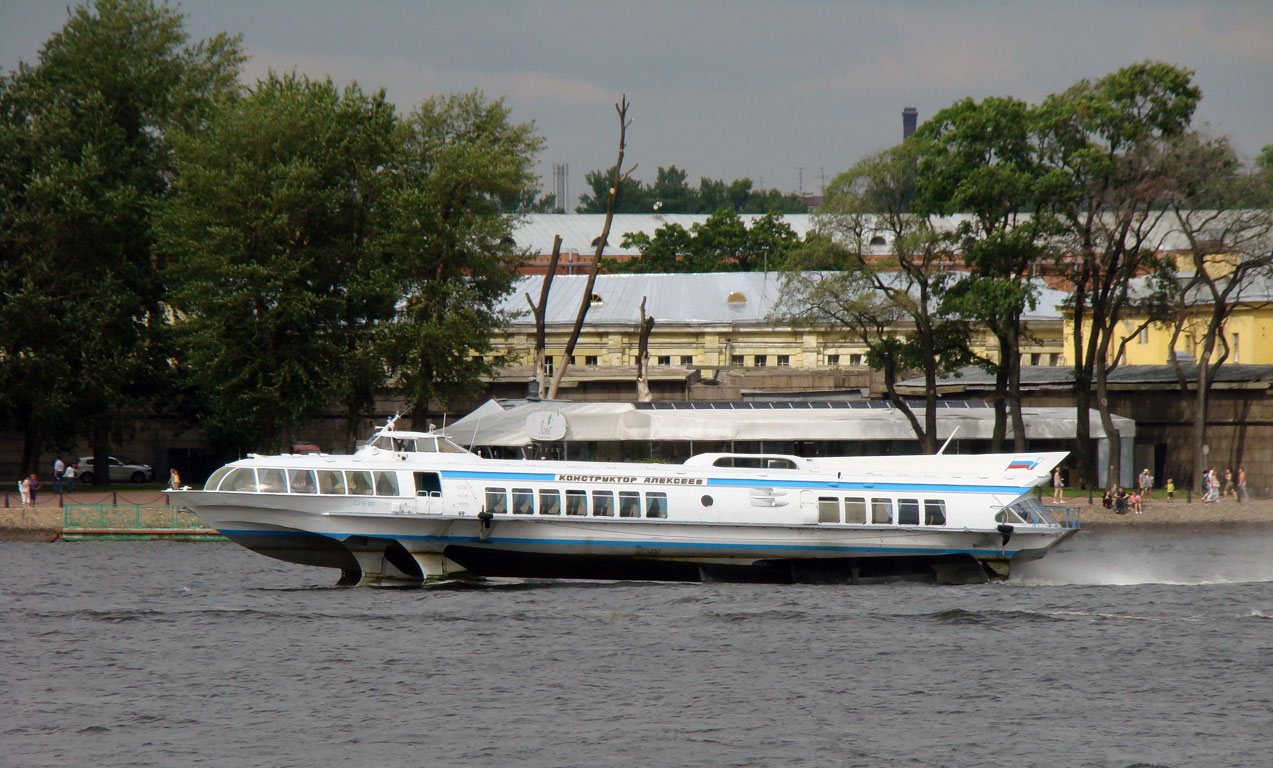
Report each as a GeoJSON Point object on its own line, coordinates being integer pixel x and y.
{"type": "Point", "coordinates": [882, 511]}
{"type": "Point", "coordinates": [428, 484]}
{"type": "Point", "coordinates": [496, 501]}
{"type": "Point", "coordinates": [549, 502]}
{"type": "Point", "coordinates": [576, 502]}
{"type": "Point", "coordinates": [423, 445]}
{"type": "Point", "coordinates": [331, 482]}
{"type": "Point", "coordinates": [446, 446]}
{"type": "Point", "coordinates": [386, 483]}
{"type": "Point", "coordinates": [271, 481]}
{"type": "Point", "coordinates": [302, 481]}
{"type": "Point", "coordinates": [828, 509]}
{"type": "Point", "coordinates": [523, 501]}
{"type": "Point", "coordinates": [241, 479]}
{"type": "Point", "coordinates": [359, 483]}
{"type": "Point", "coordinates": [216, 478]}
{"type": "Point", "coordinates": [603, 503]}
{"type": "Point", "coordinates": [656, 505]}
{"type": "Point", "coordinates": [754, 462]}
{"type": "Point", "coordinates": [629, 504]}
{"type": "Point", "coordinates": [908, 511]}
{"type": "Point", "coordinates": [855, 510]}
{"type": "Point", "coordinates": [934, 512]}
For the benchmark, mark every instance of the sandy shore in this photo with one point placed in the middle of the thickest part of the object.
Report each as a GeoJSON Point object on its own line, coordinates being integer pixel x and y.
{"type": "Point", "coordinates": [1159, 512]}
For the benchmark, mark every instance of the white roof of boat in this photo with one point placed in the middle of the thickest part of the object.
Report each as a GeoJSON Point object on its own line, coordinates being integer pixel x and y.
{"type": "Point", "coordinates": [497, 424]}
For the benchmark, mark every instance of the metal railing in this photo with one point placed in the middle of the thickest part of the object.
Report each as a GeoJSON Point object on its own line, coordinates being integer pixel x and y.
{"type": "Point", "coordinates": [142, 519]}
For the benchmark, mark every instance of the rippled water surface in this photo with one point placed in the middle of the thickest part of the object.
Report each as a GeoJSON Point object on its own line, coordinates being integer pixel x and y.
{"type": "Point", "coordinates": [1116, 650]}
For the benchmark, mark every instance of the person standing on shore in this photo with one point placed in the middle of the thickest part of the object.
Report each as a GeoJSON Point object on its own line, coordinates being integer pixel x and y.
{"type": "Point", "coordinates": [1058, 485]}
{"type": "Point", "coordinates": [1241, 485]}
{"type": "Point", "coordinates": [68, 477]}
{"type": "Point", "coordinates": [34, 485]}
{"type": "Point", "coordinates": [24, 490]}
{"type": "Point", "coordinates": [1146, 484]}
{"type": "Point", "coordinates": [1171, 489]}
{"type": "Point", "coordinates": [58, 469]}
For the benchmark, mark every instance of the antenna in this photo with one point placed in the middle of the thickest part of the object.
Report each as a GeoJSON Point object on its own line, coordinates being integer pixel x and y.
{"type": "Point", "coordinates": [389, 424]}
{"type": "Point", "coordinates": [942, 450]}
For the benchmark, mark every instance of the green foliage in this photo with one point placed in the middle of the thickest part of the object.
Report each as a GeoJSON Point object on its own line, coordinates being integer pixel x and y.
{"type": "Point", "coordinates": [320, 245]}
{"type": "Point", "coordinates": [450, 251]}
{"type": "Point", "coordinates": [722, 243]}
{"type": "Point", "coordinates": [671, 193]}
{"type": "Point", "coordinates": [84, 155]}
{"type": "Point", "coordinates": [271, 276]}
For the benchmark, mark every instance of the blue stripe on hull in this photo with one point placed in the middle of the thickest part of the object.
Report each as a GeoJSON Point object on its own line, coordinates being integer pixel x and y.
{"type": "Point", "coordinates": [725, 482]}
{"type": "Point", "coordinates": [622, 544]}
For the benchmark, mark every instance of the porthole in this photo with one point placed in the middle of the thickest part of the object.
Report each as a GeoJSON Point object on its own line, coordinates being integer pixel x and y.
{"type": "Point", "coordinates": [707, 501]}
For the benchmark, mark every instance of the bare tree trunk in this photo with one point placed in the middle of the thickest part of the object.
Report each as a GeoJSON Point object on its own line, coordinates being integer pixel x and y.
{"type": "Point", "coordinates": [1014, 390]}
{"type": "Point", "coordinates": [1000, 404]}
{"type": "Point", "coordinates": [1112, 436]}
{"type": "Point", "coordinates": [586, 299]}
{"type": "Point", "coordinates": [643, 357]}
{"type": "Point", "coordinates": [541, 331]}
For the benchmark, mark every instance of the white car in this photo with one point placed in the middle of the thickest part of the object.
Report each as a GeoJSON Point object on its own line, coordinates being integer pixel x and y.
{"type": "Point", "coordinates": [122, 469]}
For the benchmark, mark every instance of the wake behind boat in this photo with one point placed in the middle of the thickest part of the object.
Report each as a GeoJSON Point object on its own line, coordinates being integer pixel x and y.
{"type": "Point", "coordinates": [410, 507]}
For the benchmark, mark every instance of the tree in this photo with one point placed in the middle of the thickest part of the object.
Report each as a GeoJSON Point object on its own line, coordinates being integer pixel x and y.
{"type": "Point", "coordinates": [1102, 145]}
{"type": "Point", "coordinates": [977, 159]}
{"type": "Point", "coordinates": [874, 296]}
{"type": "Point", "coordinates": [274, 283]}
{"type": "Point", "coordinates": [612, 205]}
{"type": "Point", "coordinates": [722, 243]}
{"type": "Point", "coordinates": [1229, 264]}
{"type": "Point", "coordinates": [85, 155]}
{"type": "Point", "coordinates": [447, 248]}
{"type": "Point", "coordinates": [671, 193]}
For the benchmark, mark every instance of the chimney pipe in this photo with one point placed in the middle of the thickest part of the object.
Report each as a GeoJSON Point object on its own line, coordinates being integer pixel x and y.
{"type": "Point", "coordinates": [910, 116]}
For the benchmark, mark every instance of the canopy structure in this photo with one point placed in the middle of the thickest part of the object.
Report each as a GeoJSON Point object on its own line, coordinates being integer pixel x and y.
{"type": "Point", "coordinates": [505, 423]}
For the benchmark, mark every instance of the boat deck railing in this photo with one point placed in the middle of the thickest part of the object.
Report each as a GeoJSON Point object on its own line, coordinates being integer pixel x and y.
{"type": "Point", "coordinates": [1035, 512]}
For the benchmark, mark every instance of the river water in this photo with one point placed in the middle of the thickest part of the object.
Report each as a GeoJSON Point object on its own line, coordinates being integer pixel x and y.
{"type": "Point", "coordinates": [1119, 649]}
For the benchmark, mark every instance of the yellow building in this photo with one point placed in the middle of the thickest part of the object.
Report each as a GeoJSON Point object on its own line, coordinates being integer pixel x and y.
{"type": "Point", "coordinates": [1248, 332]}
{"type": "Point", "coordinates": [717, 321]}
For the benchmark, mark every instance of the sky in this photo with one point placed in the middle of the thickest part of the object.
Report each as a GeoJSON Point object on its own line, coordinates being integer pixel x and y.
{"type": "Point", "coordinates": [787, 94]}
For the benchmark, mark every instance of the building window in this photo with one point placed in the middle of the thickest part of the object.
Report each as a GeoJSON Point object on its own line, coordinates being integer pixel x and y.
{"type": "Point", "coordinates": [784, 361]}
{"type": "Point", "coordinates": [762, 361]}
{"type": "Point", "coordinates": [687, 359]}
{"type": "Point", "coordinates": [1143, 336]}
{"type": "Point", "coordinates": [855, 359]}
{"type": "Point", "coordinates": [665, 360]}
{"type": "Point", "coordinates": [1035, 358]}
{"type": "Point", "coordinates": [548, 363]}
{"type": "Point", "coordinates": [833, 359]}
{"type": "Point", "coordinates": [736, 360]}
{"type": "Point", "coordinates": [1056, 358]}
{"type": "Point", "coordinates": [592, 360]}
{"type": "Point", "coordinates": [1236, 357]}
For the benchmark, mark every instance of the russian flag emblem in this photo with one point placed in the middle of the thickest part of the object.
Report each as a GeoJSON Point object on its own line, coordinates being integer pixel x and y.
{"type": "Point", "coordinates": [1023, 462]}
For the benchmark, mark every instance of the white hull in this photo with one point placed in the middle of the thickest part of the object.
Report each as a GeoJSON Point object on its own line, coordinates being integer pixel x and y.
{"type": "Point", "coordinates": [720, 523]}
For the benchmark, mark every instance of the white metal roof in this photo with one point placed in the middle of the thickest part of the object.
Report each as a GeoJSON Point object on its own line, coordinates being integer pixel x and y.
{"type": "Point", "coordinates": [683, 298]}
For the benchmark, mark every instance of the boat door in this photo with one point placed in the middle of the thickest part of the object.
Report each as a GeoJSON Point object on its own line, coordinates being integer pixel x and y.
{"type": "Point", "coordinates": [428, 492]}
